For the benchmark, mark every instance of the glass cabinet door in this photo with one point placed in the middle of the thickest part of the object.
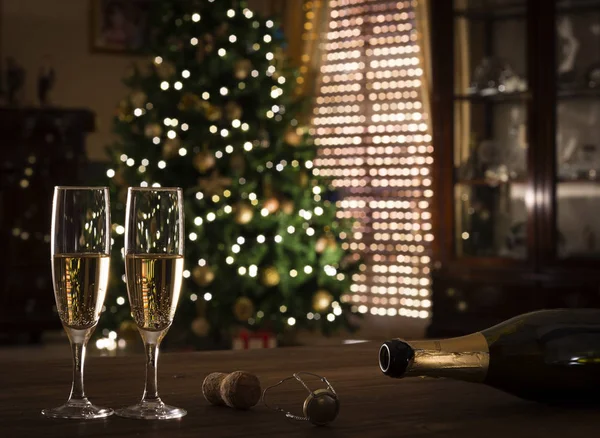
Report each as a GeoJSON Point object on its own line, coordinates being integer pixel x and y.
{"type": "Point", "coordinates": [490, 128]}
{"type": "Point", "coordinates": [578, 129]}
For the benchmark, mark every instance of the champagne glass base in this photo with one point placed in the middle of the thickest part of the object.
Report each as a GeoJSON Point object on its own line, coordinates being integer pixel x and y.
{"type": "Point", "coordinates": [78, 410]}
{"type": "Point", "coordinates": [151, 410]}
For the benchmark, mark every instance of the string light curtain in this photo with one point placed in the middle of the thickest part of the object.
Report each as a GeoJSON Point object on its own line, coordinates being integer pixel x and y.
{"type": "Point", "coordinates": [372, 131]}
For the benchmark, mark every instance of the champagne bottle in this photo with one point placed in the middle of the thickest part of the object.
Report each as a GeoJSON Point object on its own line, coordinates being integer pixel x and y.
{"type": "Point", "coordinates": [550, 356]}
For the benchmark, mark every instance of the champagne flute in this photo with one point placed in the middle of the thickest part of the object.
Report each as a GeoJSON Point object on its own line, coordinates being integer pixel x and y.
{"type": "Point", "coordinates": [80, 251]}
{"type": "Point", "coordinates": [154, 238]}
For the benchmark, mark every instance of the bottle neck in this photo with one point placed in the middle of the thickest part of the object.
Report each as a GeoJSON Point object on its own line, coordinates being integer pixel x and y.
{"type": "Point", "coordinates": [463, 358]}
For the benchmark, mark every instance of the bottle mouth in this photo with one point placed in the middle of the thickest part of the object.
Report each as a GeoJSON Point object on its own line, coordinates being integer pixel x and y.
{"type": "Point", "coordinates": [395, 357]}
{"type": "Point", "coordinates": [384, 358]}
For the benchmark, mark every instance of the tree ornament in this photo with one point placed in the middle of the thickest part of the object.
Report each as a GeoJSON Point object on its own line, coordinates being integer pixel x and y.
{"type": "Point", "coordinates": [322, 300]}
{"type": "Point", "coordinates": [128, 331]}
{"type": "Point", "coordinates": [124, 111]}
{"type": "Point", "coordinates": [264, 139]}
{"type": "Point", "coordinates": [152, 130]}
{"type": "Point", "coordinates": [215, 184]}
{"type": "Point", "coordinates": [293, 137]}
{"type": "Point", "coordinates": [122, 196]}
{"type": "Point", "coordinates": [204, 161]}
{"type": "Point", "coordinates": [331, 243]}
{"type": "Point", "coordinates": [213, 113]}
{"type": "Point", "coordinates": [200, 53]}
{"type": "Point", "coordinates": [287, 206]}
{"type": "Point", "coordinates": [243, 308]}
{"type": "Point", "coordinates": [237, 163]}
{"type": "Point", "coordinates": [243, 213]}
{"type": "Point", "coordinates": [270, 276]}
{"type": "Point", "coordinates": [119, 177]}
{"type": "Point", "coordinates": [242, 69]}
{"type": "Point", "coordinates": [302, 179]}
{"type": "Point", "coordinates": [325, 242]}
{"type": "Point", "coordinates": [222, 29]}
{"type": "Point", "coordinates": [200, 326]}
{"type": "Point", "coordinates": [349, 260]}
{"type": "Point", "coordinates": [171, 147]}
{"type": "Point", "coordinates": [203, 275]}
{"type": "Point", "coordinates": [271, 205]}
{"type": "Point", "coordinates": [165, 70]}
{"type": "Point", "coordinates": [190, 101]}
{"type": "Point", "coordinates": [233, 111]}
{"type": "Point", "coordinates": [321, 244]}
{"type": "Point", "coordinates": [138, 98]}
{"type": "Point", "coordinates": [209, 43]}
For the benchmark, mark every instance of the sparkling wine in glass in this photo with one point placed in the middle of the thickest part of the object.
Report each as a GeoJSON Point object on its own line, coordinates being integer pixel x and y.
{"type": "Point", "coordinates": [154, 238]}
{"type": "Point", "coordinates": [80, 250]}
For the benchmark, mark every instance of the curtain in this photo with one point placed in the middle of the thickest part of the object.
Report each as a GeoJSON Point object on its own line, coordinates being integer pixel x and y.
{"type": "Point", "coordinates": [303, 22]}
{"type": "Point", "coordinates": [315, 20]}
{"type": "Point", "coordinates": [423, 39]}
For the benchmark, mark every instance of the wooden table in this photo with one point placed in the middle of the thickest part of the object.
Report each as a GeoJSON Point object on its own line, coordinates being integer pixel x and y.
{"type": "Point", "coordinates": [372, 405]}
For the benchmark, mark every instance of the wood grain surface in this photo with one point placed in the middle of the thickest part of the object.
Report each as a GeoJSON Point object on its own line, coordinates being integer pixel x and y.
{"type": "Point", "coordinates": [372, 405]}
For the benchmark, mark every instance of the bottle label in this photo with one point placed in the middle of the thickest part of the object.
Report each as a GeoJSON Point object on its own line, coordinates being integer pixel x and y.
{"type": "Point", "coordinates": [463, 358]}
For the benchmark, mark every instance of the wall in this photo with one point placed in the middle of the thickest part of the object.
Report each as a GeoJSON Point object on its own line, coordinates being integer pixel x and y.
{"type": "Point", "coordinates": [32, 30]}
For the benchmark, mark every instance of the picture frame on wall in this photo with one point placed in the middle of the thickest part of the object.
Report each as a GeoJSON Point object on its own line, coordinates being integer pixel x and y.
{"type": "Point", "coordinates": [119, 26]}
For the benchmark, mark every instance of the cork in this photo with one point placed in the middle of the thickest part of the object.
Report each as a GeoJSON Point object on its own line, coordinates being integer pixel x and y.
{"type": "Point", "coordinates": [240, 390]}
{"type": "Point", "coordinates": [211, 388]}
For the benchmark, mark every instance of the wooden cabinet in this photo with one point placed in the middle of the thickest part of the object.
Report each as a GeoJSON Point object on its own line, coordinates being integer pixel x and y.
{"type": "Point", "coordinates": [41, 148]}
{"type": "Point", "coordinates": [516, 132]}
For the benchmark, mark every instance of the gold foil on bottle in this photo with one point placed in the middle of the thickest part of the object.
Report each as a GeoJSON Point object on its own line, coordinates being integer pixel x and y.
{"type": "Point", "coordinates": [463, 358]}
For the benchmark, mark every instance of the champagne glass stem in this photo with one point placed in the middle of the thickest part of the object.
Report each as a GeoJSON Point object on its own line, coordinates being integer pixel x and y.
{"type": "Point", "coordinates": [151, 389]}
{"type": "Point", "coordinates": [78, 351]}
{"type": "Point", "coordinates": [78, 339]}
{"type": "Point", "coordinates": [151, 346]}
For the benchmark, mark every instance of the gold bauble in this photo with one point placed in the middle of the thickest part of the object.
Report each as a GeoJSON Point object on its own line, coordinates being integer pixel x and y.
{"type": "Point", "coordinates": [171, 147]}
{"type": "Point", "coordinates": [128, 330]}
{"type": "Point", "coordinates": [303, 179]}
{"type": "Point", "coordinates": [123, 111]}
{"type": "Point", "coordinates": [243, 213]}
{"type": "Point", "coordinates": [237, 162]}
{"type": "Point", "coordinates": [331, 243]}
{"type": "Point", "coordinates": [200, 53]}
{"type": "Point", "coordinates": [204, 161]}
{"type": "Point", "coordinates": [271, 205]}
{"type": "Point", "coordinates": [119, 177]}
{"type": "Point", "coordinates": [209, 43]}
{"type": "Point", "coordinates": [243, 308]}
{"type": "Point", "coordinates": [242, 69]}
{"type": "Point", "coordinates": [203, 275]}
{"type": "Point", "coordinates": [233, 111]}
{"type": "Point", "coordinates": [152, 130]}
{"type": "Point", "coordinates": [165, 70]}
{"type": "Point", "coordinates": [213, 113]}
{"type": "Point", "coordinates": [190, 101]}
{"type": "Point", "coordinates": [222, 29]}
{"type": "Point", "coordinates": [292, 137]}
{"type": "Point", "coordinates": [322, 300]}
{"type": "Point", "coordinates": [321, 244]}
{"type": "Point", "coordinates": [270, 276]}
{"type": "Point", "coordinates": [122, 196]}
{"type": "Point", "coordinates": [138, 99]}
{"type": "Point", "coordinates": [200, 326]}
{"type": "Point", "coordinates": [287, 206]}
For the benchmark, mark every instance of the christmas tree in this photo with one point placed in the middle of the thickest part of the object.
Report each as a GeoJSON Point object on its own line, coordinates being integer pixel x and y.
{"type": "Point", "coordinates": [216, 111]}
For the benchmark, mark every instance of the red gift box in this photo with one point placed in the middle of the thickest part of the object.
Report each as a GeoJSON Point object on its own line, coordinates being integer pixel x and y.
{"type": "Point", "coordinates": [247, 340]}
